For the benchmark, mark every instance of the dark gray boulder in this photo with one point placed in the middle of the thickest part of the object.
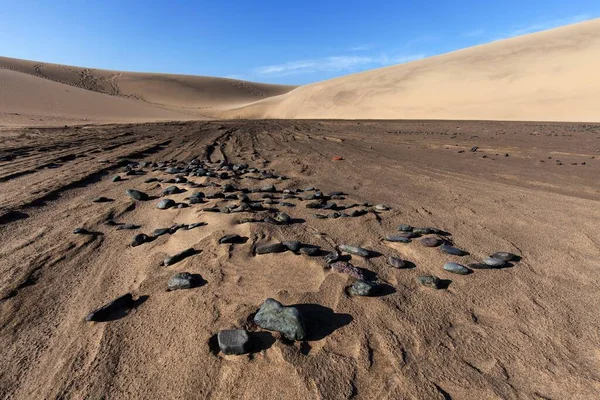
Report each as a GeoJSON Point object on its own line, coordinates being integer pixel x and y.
{"type": "Point", "coordinates": [273, 316]}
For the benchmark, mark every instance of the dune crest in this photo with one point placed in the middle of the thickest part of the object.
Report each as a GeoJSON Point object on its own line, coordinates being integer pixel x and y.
{"type": "Point", "coordinates": [546, 76]}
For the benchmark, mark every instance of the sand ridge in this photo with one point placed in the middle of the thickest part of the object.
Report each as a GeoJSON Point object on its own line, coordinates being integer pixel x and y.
{"type": "Point", "coordinates": [517, 332]}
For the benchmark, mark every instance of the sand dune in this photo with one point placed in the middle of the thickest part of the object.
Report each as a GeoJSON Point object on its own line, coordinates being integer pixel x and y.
{"type": "Point", "coordinates": [37, 93]}
{"type": "Point", "coordinates": [547, 76]}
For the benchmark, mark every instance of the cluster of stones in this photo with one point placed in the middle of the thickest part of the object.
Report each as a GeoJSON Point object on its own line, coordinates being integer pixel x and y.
{"type": "Point", "coordinates": [272, 315]}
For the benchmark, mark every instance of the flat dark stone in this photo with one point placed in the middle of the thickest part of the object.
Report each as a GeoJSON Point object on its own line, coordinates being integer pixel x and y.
{"type": "Point", "coordinates": [81, 231]}
{"type": "Point", "coordinates": [430, 241]}
{"type": "Point", "coordinates": [480, 266]}
{"type": "Point", "coordinates": [398, 239]}
{"type": "Point", "coordinates": [231, 238]}
{"type": "Point", "coordinates": [494, 262]}
{"type": "Point", "coordinates": [430, 281]}
{"type": "Point", "coordinates": [396, 262]}
{"type": "Point", "coordinates": [165, 203]}
{"type": "Point", "coordinates": [195, 225]}
{"type": "Point", "coordinates": [332, 257]}
{"type": "Point", "coordinates": [140, 239]}
{"type": "Point", "coordinates": [181, 280]}
{"type": "Point", "coordinates": [310, 250]}
{"type": "Point", "coordinates": [160, 231]}
{"type": "Point", "coordinates": [233, 341]}
{"type": "Point", "coordinates": [355, 250]}
{"type": "Point", "coordinates": [505, 256]}
{"type": "Point", "coordinates": [136, 194]}
{"type": "Point", "coordinates": [270, 248]}
{"type": "Point", "coordinates": [292, 245]}
{"type": "Point", "coordinates": [452, 250]}
{"type": "Point", "coordinates": [405, 228]}
{"type": "Point", "coordinates": [363, 288]}
{"type": "Point", "coordinates": [127, 227]}
{"type": "Point", "coordinates": [456, 268]}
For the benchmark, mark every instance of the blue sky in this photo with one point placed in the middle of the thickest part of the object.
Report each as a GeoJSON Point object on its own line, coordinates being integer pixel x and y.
{"type": "Point", "coordinates": [285, 41]}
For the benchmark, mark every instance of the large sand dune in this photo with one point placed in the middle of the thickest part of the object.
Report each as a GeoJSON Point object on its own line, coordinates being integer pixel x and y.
{"type": "Point", "coordinates": [547, 76]}
{"type": "Point", "coordinates": [34, 93]}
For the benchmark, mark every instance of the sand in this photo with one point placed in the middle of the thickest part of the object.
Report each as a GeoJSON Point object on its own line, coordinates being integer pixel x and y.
{"type": "Point", "coordinates": [530, 331]}
{"type": "Point", "coordinates": [44, 94]}
{"type": "Point", "coordinates": [546, 76]}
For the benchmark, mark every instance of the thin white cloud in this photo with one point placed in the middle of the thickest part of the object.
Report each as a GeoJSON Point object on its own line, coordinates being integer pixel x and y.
{"type": "Point", "coordinates": [334, 64]}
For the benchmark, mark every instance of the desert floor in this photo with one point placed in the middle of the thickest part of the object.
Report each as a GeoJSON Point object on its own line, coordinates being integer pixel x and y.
{"type": "Point", "coordinates": [531, 331]}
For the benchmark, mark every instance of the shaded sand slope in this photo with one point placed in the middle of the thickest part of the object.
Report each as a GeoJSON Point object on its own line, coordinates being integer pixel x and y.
{"type": "Point", "coordinates": [527, 332]}
{"type": "Point", "coordinates": [29, 100]}
{"type": "Point", "coordinates": [184, 96]}
{"type": "Point", "coordinates": [547, 76]}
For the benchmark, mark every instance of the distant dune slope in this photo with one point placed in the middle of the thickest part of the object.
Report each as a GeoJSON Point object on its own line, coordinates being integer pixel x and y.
{"type": "Point", "coordinates": [547, 76]}
{"type": "Point", "coordinates": [40, 89]}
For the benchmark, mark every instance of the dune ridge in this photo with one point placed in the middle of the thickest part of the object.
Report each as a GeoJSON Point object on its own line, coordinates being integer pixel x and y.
{"type": "Point", "coordinates": [545, 76]}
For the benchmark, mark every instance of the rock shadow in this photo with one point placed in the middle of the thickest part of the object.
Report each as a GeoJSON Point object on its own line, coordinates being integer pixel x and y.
{"type": "Point", "coordinates": [321, 321]}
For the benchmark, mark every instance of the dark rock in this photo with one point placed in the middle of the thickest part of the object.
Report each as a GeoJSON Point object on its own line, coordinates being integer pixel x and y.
{"type": "Point", "coordinates": [116, 178]}
{"type": "Point", "coordinates": [398, 239]}
{"type": "Point", "coordinates": [273, 316]}
{"type": "Point", "coordinates": [430, 241]}
{"type": "Point", "coordinates": [231, 238]}
{"type": "Point", "coordinates": [494, 262]}
{"type": "Point", "coordinates": [456, 268]}
{"type": "Point", "coordinates": [140, 239]}
{"type": "Point", "coordinates": [310, 250]}
{"type": "Point", "coordinates": [268, 188]}
{"type": "Point", "coordinates": [505, 256]}
{"type": "Point", "coordinates": [171, 190]}
{"type": "Point", "coordinates": [292, 245]}
{"type": "Point", "coordinates": [150, 180]}
{"type": "Point", "coordinates": [195, 225]}
{"type": "Point", "coordinates": [136, 194]}
{"type": "Point", "coordinates": [81, 231]}
{"type": "Point", "coordinates": [332, 257]}
{"type": "Point", "coordinates": [345, 267]}
{"type": "Point", "coordinates": [178, 257]}
{"type": "Point", "coordinates": [357, 213]}
{"type": "Point", "coordinates": [363, 288]}
{"type": "Point", "coordinates": [396, 262]}
{"type": "Point", "coordinates": [405, 228]}
{"type": "Point", "coordinates": [270, 248]}
{"type": "Point", "coordinates": [474, 149]}
{"type": "Point", "coordinates": [452, 250]}
{"type": "Point", "coordinates": [105, 312]}
{"type": "Point", "coordinates": [233, 341]}
{"type": "Point", "coordinates": [160, 231]}
{"type": "Point", "coordinates": [355, 250]}
{"type": "Point", "coordinates": [422, 231]}
{"type": "Point", "coordinates": [430, 281]}
{"type": "Point", "coordinates": [101, 200]}
{"type": "Point", "coordinates": [165, 203]}
{"type": "Point", "coordinates": [181, 280]}
{"type": "Point", "coordinates": [282, 218]}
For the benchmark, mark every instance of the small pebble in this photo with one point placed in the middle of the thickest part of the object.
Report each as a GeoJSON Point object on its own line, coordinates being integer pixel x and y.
{"type": "Point", "coordinates": [430, 281]}
{"type": "Point", "coordinates": [396, 262]}
{"type": "Point", "coordinates": [270, 248]}
{"type": "Point", "coordinates": [140, 239]}
{"type": "Point", "coordinates": [345, 267]}
{"type": "Point", "coordinates": [136, 194]}
{"type": "Point", "coordinates": [430, 241]}
{"type": "Point", "coordinates": [181, 280]}
{"type": "Point", "coordinates": [101, 200]}
{"type": "Point", "coordinates": [81, 231]}
{"type": "Point", "coordinates": [363, 288]}
{"type": "Point", "coordinates": [231, 238]}
{"type": "Point", "coordinates": [456, 268]}
{"type": "Point", "coordinates": [398, 239]}
{"type": "Point", "coordinates": [165, 203]}
{"type": "Point", "coordinates": [494, 262]}
{"type": "Point", "coordinates": [355, 250]}
{"type": "Point", "coordinates": [233, 341]}
{"type": "Point", "coordinates": [505, 256]}
{"type": "Point", "coordinates": [452, 250]}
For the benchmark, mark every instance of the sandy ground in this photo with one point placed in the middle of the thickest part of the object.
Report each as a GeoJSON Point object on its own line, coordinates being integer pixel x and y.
{"type": "Point", "coordinates": [547, 76]}
{"type": "Point", "coordinates": [527, 332]}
